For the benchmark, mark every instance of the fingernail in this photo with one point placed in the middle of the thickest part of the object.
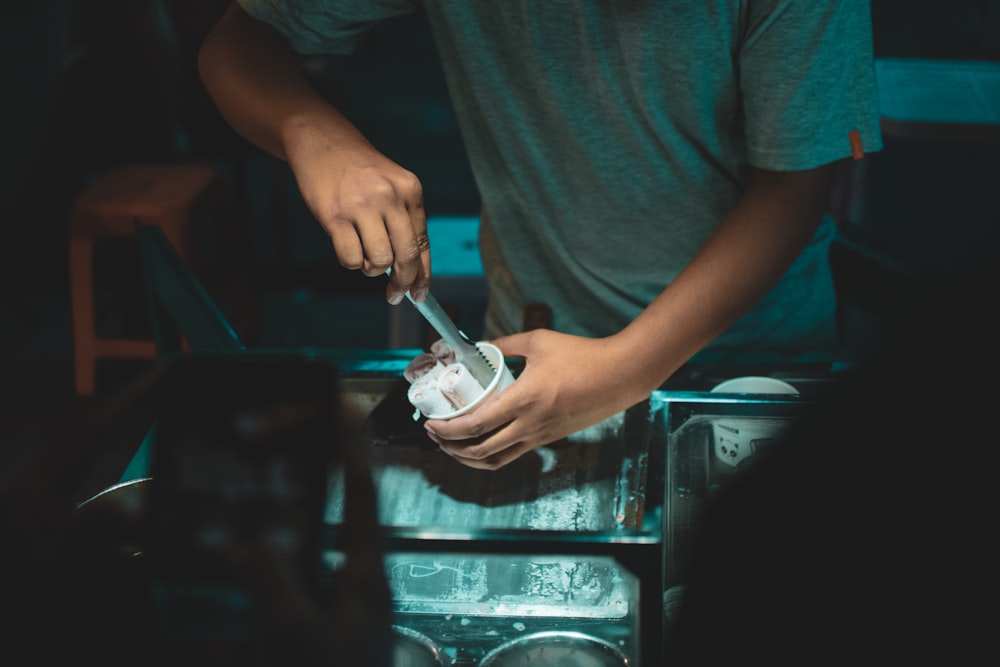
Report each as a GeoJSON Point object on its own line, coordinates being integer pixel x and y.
{"type": "Point", "coordinates": [420, 294]}
{"type": "Point", "coordinates": [429, 429]}
{"type": "Point", "coordinates": [395, 299]}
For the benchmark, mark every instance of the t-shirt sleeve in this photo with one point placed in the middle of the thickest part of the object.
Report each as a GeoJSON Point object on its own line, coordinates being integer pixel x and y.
{"type": "Point", "coordinates": [807, 78]}
{"type": "Point", "coordinates": [333, 27]}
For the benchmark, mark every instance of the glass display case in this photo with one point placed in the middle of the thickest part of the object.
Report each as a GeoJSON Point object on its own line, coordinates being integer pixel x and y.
{"type": "Point", "coordinates": [558, 554]}
{"type": "Point", "coordinates": [709, 438]}
{"type": "Point", "coordinates": [576, 550]}
{"type": "Point", "coordinates": [572, 553]}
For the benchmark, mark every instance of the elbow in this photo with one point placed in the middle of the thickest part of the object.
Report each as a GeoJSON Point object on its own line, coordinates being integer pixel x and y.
{"type": "Point", "coordinates": [206, 65]}
{"type": "Point", "coordinates": [206, 57]}
{"type": "Point", "coordinates": [212, 48]}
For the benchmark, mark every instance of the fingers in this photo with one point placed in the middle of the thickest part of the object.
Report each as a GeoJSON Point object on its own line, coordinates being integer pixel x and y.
{"type": "Point", "coordinates": [495, 413]}
{"type": "Point", "coordinates": [513, 345]}
{"type": "Point", "coordinates": [487, 439]}
{"type": "Point", "coordinates": [492, 461]}
{"type": "Point", "coordinates": [372, 243]}
{"type": "Point", "coordinates": [488, 452]}
{"type": "Point", "coordinates": [377, 244]}
{"type": "Point", "coordinates": [358, 243]}
{"type": "Point", "coordinates": [407, 233]}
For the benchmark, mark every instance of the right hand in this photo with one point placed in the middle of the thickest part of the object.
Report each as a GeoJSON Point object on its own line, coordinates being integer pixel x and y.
{"type": "Point", "coordinates": [372, 208]}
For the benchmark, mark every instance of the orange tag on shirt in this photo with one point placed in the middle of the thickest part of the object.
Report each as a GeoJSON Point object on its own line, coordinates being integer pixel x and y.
{"type": "Point", "coordinates": [857, 149]}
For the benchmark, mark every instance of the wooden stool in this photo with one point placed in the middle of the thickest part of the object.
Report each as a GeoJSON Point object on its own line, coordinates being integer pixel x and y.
{"type": "Point", "coordinates": [172, 196]}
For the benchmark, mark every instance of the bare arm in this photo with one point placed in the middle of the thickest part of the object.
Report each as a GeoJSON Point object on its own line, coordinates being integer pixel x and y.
{"type": "Point", "coordinates": [570, 382]}
{"type": "Point", "coordinates": [371, 207]}
{"type": "Point", "coordinates": [745, 257]}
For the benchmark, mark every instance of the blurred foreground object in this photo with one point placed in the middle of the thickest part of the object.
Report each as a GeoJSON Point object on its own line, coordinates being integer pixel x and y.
{"type": "Point", "coordinates": [241, 459]}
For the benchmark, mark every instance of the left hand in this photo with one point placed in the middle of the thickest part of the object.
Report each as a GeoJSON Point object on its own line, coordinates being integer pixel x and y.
{"type": "Point", "coordinates": [568, 383]}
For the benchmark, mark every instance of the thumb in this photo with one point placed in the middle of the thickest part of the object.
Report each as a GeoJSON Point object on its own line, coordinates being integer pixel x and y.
{"type": "Point", "coordinates": [514, 345]}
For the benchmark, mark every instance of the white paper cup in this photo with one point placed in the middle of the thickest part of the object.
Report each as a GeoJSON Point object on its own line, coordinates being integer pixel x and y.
{"type": "Point", "coordinates": [735, 438]}
{"type": "Point", "coordinates": [501, 380]}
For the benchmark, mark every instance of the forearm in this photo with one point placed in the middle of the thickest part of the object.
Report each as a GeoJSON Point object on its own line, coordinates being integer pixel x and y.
{"type": "Point", "coordinates": [256, 81]}
{"type": "Point", "coordinates": [743, 259]}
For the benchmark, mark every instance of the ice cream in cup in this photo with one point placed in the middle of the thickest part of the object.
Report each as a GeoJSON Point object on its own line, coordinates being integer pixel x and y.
{"type": "Point", "coordinates": [455, 392]}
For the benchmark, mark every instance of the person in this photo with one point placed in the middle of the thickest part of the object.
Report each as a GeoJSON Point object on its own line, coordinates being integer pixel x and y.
{"type": "Point", "coordinates": [655, 172]}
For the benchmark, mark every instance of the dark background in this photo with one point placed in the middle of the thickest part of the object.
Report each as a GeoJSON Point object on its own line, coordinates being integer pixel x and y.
{"type": "Point", "coordinates": [91, 84]}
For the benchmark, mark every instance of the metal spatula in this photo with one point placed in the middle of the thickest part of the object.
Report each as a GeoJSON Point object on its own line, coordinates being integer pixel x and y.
{"type": "Point", "coordinates": [466, 351]}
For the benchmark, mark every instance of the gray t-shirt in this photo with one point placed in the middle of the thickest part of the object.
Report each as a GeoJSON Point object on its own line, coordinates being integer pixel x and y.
{"type": "Point", "coordinates": [608, 138]}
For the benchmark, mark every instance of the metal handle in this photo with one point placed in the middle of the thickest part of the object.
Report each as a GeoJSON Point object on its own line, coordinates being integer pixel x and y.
{"type": "Point", "coordinates": [438, 318]}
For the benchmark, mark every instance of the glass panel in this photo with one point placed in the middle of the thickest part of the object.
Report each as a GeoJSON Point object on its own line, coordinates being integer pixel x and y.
{"type": "Point", "coordinates": [594, 481]}
{"type": "Point", "coordinates": [466, 606]}
{"type": "Point", "coordinates": [709, 438]}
